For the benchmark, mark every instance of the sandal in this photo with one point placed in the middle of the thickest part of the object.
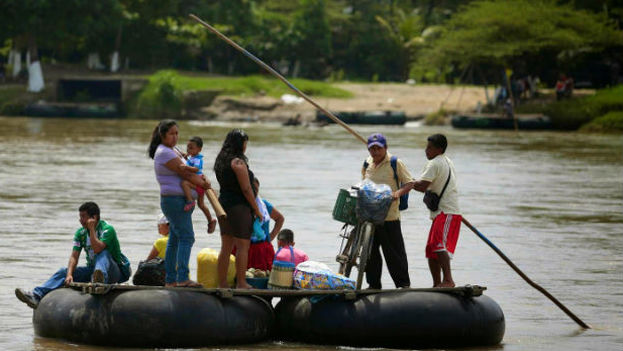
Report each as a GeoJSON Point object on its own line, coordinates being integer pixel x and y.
{"type": "Point", "coordinates": [189, 284]}
{"type": "Point", "coordinates": [189, 206]}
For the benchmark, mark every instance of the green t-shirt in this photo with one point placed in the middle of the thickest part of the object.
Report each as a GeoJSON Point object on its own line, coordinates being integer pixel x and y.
{"type": "Point", "coordinates": [106, 233]}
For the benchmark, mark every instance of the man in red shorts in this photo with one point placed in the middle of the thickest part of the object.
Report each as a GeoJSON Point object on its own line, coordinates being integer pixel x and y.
{"type": "Point", "coordinates": [440, 178]}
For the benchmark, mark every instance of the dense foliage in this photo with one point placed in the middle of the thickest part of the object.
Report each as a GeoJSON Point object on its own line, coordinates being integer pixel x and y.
{"type": "Point", "coordinates": [574, 113]}
{"type": "Point", "coordinates": [355, 39]}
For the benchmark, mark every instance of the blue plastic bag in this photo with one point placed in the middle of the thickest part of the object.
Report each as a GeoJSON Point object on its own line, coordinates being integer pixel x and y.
{"type": "Point", "coordinates": [373, 201]}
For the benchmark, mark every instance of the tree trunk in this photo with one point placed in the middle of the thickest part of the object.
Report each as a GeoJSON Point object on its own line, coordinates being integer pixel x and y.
{"type": "Point", "coordinates": [297, 69]}
{"type": "Point", "coordinates": [114, 60]}
{"type": "Point", "coordinates": [35, 73]}
{"type": "Point", "coordinates": [94, 62]}
{"type": "Point", "coordinates": [16, 60]}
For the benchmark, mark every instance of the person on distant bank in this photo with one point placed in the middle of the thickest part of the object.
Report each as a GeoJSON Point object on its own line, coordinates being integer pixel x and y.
{"type": "Point", "coordinates": [105, 262]}
{"type": "Point", "coordinates": [285, 240]}
{"type": "Point", "coordinates": [439, 177]}
{"type": "Point", "coordinates": [194, 161]}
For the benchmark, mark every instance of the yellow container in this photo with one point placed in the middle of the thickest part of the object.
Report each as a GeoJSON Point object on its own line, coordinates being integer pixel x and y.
{"type": "Point", "coordinates": [206, 268]}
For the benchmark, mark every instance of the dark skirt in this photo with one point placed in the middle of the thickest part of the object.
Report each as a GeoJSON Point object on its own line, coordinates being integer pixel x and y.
{"type": "Point", "coordinates": [239, 222]}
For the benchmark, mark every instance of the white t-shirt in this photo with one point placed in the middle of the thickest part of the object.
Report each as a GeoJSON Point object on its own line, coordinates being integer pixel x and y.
{"type": "Point", "coordinates": [436, 172]}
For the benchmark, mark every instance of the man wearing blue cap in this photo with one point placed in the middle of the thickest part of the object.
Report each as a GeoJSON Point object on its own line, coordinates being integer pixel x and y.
{"type": "Point", "coordinates": [383, 168]}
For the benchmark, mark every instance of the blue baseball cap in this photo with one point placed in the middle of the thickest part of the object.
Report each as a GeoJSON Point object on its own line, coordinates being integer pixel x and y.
{"type": "Point", "coordinates": [377, 139]}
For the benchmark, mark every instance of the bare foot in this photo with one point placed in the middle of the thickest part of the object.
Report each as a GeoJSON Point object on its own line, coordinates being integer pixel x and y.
{"type": "Point", "coordinates": [189, 284]}
{"type": "Point", "coordinates": [211, 226]}
{"type": "Point", "coordinates": [244, 286]}
{"type": "Point", "coordinates": [170, 285]}
{"type": "Point", "coordinates": [445, 284]}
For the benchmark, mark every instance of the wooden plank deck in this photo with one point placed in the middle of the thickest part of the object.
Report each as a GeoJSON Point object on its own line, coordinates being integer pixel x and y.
{"type": "Point", "coordinates": [98, 288]}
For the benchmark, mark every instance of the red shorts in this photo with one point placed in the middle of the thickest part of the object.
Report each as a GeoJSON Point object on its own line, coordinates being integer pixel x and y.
{"type": "Point", "coordinates": [200, 191]}
{"type": "Point", "coordinates": [444, 234]}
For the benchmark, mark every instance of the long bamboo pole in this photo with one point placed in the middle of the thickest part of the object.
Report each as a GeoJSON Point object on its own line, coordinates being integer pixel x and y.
{"type": "Point", "coordinates": [279, 76]}
{"type": "Point", "coordinates": [525, 277]}
{"type": "Point", "coordinates": [354, 133]}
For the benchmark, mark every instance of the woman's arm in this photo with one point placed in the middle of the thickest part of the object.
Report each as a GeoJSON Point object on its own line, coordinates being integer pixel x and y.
{"type": "Point", "coordinates": [176, 165]}
{"type": "Point", "coordinates": [278, 218]}
{"type": "Point", "coordinates": [242, 174]}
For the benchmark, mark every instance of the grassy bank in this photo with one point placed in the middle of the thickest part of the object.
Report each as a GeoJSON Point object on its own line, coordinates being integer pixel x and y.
{"type": "Point", "coordinates": [14, 98]}
{"type": "Point", "coordinates": [611, 122]}
{"type": "Point", "coordinates": [166, 93]}
{"type": "Point", "coordinates": [575, 113]}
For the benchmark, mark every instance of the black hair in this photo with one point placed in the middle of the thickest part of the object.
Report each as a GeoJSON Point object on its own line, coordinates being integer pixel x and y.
{"type": "Point", "coordinates": [197, 140]}
{"type": "Point", "coordinates": [286, 235]}
{"type": "Point", "coordinates": [439, 141]}
{"type": "Point", "coordinates": [157, 135]}
{"type": "Point", "coordinates": [232, 148]}
{"type": "Point", "coordinates": [90, 208]}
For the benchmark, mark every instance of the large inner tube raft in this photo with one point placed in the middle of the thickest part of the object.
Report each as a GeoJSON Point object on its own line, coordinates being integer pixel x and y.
{"type": "Point", "coordinates": [410, 319]}
{"type": "Point", "coordinates": [153, 318]}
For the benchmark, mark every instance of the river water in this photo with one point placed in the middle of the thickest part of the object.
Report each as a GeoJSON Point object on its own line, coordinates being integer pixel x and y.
{"type": "Point", "coordinates": [552, 201]}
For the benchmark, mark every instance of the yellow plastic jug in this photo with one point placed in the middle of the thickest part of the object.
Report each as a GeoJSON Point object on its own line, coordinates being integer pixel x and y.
{"type": "Point", "coordinates": [206, 268]}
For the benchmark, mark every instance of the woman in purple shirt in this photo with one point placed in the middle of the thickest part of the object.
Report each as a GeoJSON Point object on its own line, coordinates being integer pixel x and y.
{"type": "Point", "coordinates": [170, 170]}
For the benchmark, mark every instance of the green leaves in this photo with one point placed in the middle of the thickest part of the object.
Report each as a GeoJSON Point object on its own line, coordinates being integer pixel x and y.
{"type": "Point", "coordinates": [498, 31]}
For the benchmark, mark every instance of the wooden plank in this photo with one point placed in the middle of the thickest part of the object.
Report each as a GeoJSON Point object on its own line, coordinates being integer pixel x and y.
{"type": "Point", "coordinates": [95, 288]}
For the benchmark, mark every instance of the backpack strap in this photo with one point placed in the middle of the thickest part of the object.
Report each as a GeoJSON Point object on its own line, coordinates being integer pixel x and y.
{"type": "Point", "coordinates": [393, 161]}
{"type": "Point", "coordinates": [365, 165]}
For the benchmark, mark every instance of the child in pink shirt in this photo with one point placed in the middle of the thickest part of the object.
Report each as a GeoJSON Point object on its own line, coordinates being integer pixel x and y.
{"type": "Point", "coordinates": [285, 240]}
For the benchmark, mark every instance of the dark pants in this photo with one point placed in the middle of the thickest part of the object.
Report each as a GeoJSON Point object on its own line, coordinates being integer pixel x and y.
{"type": "Point", "coordinates": [388, 236]}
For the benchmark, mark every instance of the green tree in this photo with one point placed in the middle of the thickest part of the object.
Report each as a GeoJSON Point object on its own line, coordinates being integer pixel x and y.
{"type": "Point", "coordinates": [312, 38]}
{"type": "Point", "coordinates": [502, 33]}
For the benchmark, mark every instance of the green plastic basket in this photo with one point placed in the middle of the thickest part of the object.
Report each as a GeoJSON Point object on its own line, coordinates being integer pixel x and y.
{"type": "Point", "coordinates": [344, 209]}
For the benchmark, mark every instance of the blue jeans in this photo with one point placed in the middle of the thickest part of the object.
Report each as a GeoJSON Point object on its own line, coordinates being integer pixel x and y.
{"type": "Point", "coordinates": [181, 238]}
{"type": "Point", "coordinates": [103, 261]}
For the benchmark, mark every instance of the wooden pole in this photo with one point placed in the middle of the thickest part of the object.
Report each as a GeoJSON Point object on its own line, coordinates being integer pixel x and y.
{"type": "Point", "coordinates": [218, 209]}
{"type": "Point", "coordinates": [338, 121]}
{"type": "Point", "coordinates": [280, 77]}
{"type": "Point", "coordinates": [525, 277]}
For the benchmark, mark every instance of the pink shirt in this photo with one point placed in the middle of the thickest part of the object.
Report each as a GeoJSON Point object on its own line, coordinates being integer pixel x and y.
{"type": "Point", "coordinates": [283, 254]}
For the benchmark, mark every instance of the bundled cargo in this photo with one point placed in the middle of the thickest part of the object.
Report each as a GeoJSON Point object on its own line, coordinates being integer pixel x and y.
{"type": "Point", "coordinates": [315, 275]}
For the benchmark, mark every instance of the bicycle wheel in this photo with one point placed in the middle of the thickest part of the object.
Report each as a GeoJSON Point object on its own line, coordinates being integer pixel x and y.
{"type": "Point", "coordinates": [354, 250]}
{"type": "Point", "coordinates": [366, 238]}
{"type": "Point", "coordinates": [345, 258]}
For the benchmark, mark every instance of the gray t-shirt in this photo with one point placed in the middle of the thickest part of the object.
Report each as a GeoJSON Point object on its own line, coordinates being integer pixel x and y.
{"type": "Point", "coordinates": [169, 181]}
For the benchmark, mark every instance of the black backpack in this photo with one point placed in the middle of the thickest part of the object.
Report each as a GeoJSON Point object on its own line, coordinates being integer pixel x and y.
{"type": "Point", "coordinates": [404, 199]}
{"type": "Point", "coordinates": [150, 272]}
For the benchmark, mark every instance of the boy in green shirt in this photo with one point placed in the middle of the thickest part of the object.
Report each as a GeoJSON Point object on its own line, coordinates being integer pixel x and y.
{"type": "Point", "coordinates": [105, 262]}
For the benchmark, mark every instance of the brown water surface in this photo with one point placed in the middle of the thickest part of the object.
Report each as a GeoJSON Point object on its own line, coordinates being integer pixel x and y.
{"type": "Point", "coordinates": [552, 201]}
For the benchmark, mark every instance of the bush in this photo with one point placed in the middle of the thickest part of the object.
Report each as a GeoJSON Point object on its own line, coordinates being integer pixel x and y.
{"type": "Point", "coordinates": [572, 114]}
{"type": "Point", "coordinates": [611, 122]}
{"type": "Point", "coordinates": [437, 118]}
{"type": "Point", "coordinates": [161, 98]}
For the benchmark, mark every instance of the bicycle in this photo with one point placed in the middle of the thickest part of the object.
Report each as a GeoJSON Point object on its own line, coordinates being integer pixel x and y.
{"type": "Point", "coordinates": [357, 236]}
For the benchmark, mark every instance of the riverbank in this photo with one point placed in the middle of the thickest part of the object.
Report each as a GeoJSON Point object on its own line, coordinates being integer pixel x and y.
{"type": "Point", "coordinates": [260, 98]}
